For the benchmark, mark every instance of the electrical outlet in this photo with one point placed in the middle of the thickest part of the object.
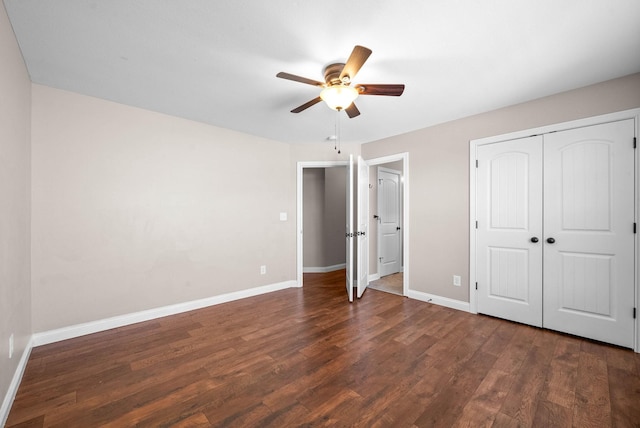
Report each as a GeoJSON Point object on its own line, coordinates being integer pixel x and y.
{"type": "Point", "coordinates": [263, 270]}
{"type": "Point", "coordinates": [11, 346]}
{"type": "Point", "coordinates": [456, 280]}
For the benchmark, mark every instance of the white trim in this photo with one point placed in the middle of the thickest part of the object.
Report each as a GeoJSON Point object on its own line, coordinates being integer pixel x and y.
{"type": "Point", "coordinates": [441, 301]}
{"type": "Point", "coordinates": [78, 330]}
{"type": "Point", "coordinates": [15, 383]}
{"type": "Point", "coordinates": [299, 204]}
{"type": "Point", "coordinates": [473, 215]}
{"type": "Point", "coordinates": [374, 277]}
{"type": "Point", "coordinates": [595, 120]}
{"type": "Point", "coordinates": [561, 126]}
{"type": "Point", "coordinates": [324, 269]}
{"type": "Point", "coordinates": [404, 157]}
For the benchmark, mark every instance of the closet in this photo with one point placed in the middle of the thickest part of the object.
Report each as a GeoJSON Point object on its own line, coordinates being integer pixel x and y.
{"type": "Point", "coordinates": [554, 238]}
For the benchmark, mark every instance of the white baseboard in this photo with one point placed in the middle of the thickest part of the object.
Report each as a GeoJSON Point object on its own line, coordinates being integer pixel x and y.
{"type": "Point", "coordinates": [15, 383]}
{"type": "Point", "coordinates": [374, 277]}
{"type": "Point", "coordinates": [324, 269]}
{"type": "Point", "coordinates": [438, 300]}
{"type": "Point", "coordinates": [77, 330]}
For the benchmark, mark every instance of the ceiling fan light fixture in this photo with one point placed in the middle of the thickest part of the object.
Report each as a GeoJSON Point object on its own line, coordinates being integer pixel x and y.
{"type": "Point", "coordinates": [339, 97]}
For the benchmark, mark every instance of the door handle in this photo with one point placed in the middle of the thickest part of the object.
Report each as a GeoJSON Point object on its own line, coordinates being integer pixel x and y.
{"type": "Point", "coordinates": [551, 240]}
{"type": "Point", "coordinates": [398, 228]}
{"type": "Point", "coordinates": [534, 240]}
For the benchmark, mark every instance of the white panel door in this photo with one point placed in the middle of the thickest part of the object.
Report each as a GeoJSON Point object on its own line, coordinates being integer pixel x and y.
{"type": "Point", "coordinates": [349, 230]}
{"type": "Point", "coordinates": [509, 233]}
{"type": "Point", "coordinates": [589, 242]}
{"type": "Point", "coordinates": [389, 234]}
{"type": "Point", "coordinates": [363, 226]}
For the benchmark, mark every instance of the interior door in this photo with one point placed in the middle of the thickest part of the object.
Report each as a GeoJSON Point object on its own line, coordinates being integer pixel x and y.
{"type": "Point", "coordinates": [349, 230]}
{"type": "Point", "coordinates": [389, 233]}
{"type": "Point", "coordinates": [589, 242]}
{"type": "Point", "coordinates": [363, 226]}
{"type": "Point", "coordinates": [509, 230]}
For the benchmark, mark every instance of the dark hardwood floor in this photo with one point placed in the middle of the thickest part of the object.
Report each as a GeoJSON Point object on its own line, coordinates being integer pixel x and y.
{"type": "Point", "coordinates": [306, 357]}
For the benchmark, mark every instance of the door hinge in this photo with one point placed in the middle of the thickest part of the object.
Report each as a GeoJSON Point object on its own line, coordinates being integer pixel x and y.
{"type": "Point", "coordinates": [476, 285]}
{"type": "Point", "coordinates": [634, 313]}
{"type": "Point", "coordinates": [634, 142]}
{"type": "Point", "coordinates": [635, 227]}
{"type": "Point", "coordinates": [476, 163]}
{"type": "Point", "coordinates": [476, 224]}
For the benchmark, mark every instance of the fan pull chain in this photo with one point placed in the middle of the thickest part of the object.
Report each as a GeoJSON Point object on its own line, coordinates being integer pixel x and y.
{"type": "Point", "coordinates": [338, 136]}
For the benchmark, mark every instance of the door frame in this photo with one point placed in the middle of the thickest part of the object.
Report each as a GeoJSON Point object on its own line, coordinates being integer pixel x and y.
{"type": "Point", "coordinates": [563, 126]}
{"type": "Point", "coordinates": [404, 157]}
{"type": "Point", "coordinates": [299, 204]}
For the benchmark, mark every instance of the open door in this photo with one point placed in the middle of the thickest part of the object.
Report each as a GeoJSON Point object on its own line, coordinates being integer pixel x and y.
{"type": "Point", "coordinates": [390, 220]}
{"type": "Point", "coordinates": [363, 226]}
{"type": "Point", "coordinates": [349, 230]}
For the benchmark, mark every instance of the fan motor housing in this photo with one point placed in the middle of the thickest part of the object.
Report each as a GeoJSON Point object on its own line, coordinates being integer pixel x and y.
{"type": "Point", "coordinates": [332, 73]}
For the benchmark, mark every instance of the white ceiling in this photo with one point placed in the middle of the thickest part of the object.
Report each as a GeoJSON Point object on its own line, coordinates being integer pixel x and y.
{"type": "Point", "coordinates": [216, 61]}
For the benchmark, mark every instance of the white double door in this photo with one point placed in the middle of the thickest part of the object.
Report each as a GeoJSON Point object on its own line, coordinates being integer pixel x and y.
{"type": "Point", "coordinates": [555, 231]}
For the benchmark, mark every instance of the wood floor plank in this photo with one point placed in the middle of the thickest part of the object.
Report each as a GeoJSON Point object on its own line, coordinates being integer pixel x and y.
{"type": "Point", "coordinates": [447, 405]}
{"type": "Point", "coordinates": [487, 400]}
{"type": "Point", "coordinates": [624, 387]}
{"type": "Point", "coordinates": [560, 386]}
{"type": "Point", "coordinates": [307, 357]}
{"type": "Point", "coordinates": [522, 400]}
{"type": "Point", "coordinates": [552, 415]}
{"type": "Point", "coordinates": [515, 352]}
{"type": "Point", "coordinates": [592, 406]}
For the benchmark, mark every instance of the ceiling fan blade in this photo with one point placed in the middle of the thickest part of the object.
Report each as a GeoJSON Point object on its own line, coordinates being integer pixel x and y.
{"type": "Point", "coordinates": [389, 90]}
{"type": "Point", "coordinates": [352, 111]}
{"type": "Point", "coordinates": [306, 105]}
{"type": "Point", "coordinates": [300, 79]}
{"type": "Point", "coordinates": [358, 56]}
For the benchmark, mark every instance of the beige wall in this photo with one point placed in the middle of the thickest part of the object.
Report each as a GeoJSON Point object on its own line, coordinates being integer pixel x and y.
{"type": "Point", "coordinates": [15, 168]}
{"type": "Point", "coordinates": [439, 174]}
{"type": "Point", "coordinates": [134, 210]}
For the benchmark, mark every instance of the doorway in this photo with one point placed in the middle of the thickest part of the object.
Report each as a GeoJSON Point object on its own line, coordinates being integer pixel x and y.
{"type": "Point", "coordinates": [403, 158]}
{"type": "Point", "coordinates": [388, 224]}
{"type": "Point", "coordinates": [302, 166]}
{"type": "Point", "coordinates": [324, 207]}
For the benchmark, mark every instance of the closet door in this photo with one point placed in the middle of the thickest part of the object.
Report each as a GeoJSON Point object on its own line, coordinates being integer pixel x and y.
{"type": "Point", "coordinates": [509, 233]}
{"type": "Point", "coordinates": [588, 232]}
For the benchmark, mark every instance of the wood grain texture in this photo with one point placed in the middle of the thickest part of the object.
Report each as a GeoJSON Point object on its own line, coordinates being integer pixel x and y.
{"type": "Point", "coordinates": [306, 357]}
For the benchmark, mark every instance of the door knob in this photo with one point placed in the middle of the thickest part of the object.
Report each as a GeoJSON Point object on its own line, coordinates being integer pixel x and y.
{"type": "Point", "coordinates": [534, 239]}
{"type": "Point", "coordinates": [398, 228]}
{"type": "Point", "coordinates": [551, 240]}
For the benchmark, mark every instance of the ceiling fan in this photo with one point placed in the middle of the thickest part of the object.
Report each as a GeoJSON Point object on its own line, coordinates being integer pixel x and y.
{"type": "Point", "coordinates": [337, 91]}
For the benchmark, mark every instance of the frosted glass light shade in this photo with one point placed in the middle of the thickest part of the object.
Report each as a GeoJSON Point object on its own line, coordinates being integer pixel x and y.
{"type": "Point", "coordinates": [339, 97]}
